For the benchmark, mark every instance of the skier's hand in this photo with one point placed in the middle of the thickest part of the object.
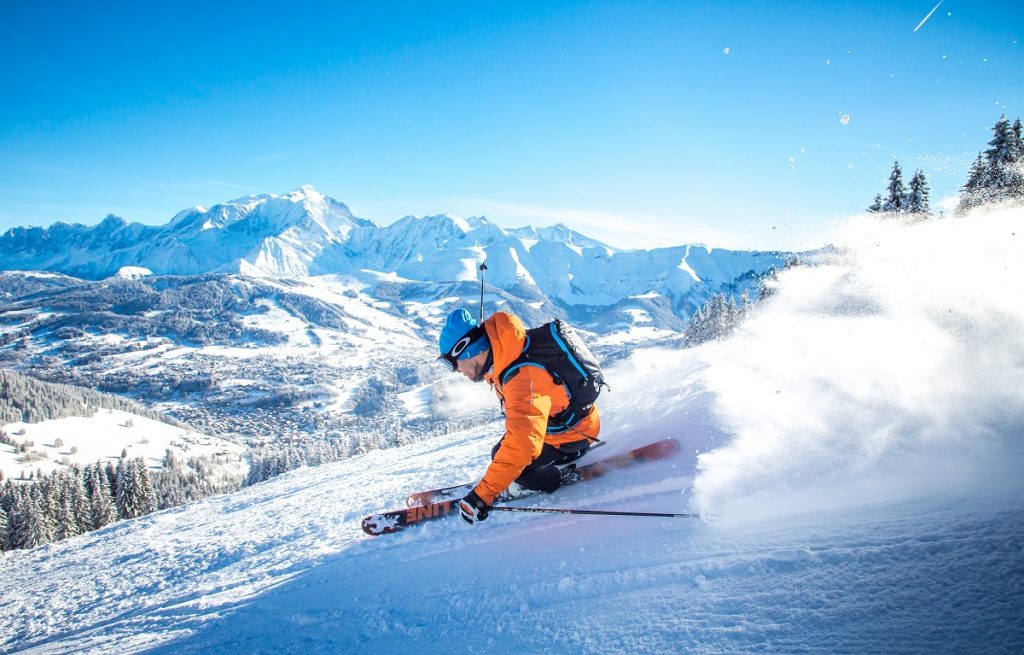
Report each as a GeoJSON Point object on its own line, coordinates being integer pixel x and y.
{"type": "Point", "coordinates": [473, 508]}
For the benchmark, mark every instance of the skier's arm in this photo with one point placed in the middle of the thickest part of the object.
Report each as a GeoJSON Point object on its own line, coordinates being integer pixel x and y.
{"type": "Point", "coordinates": [527, 407]}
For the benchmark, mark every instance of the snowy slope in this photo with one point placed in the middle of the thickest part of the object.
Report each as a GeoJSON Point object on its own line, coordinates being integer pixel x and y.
{"type": "Point", "coordinates": [102, 437]}
{"type": "Point", "coordinates": [284, 568]}
{"type": "Point", "coordinates": [859, 440]}
{"type": "Point", "coordinates": [22, 283]}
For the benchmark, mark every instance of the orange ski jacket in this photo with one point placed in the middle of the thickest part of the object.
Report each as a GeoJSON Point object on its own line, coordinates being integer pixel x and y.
{"type": "Point", "coordinates": [529, 398]}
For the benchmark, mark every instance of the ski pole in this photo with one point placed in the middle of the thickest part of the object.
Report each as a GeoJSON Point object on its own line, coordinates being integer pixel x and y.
{"type": "Point", "coordinates": [483, 267]}
{"type": "Point", "coordinates": [597, 512]}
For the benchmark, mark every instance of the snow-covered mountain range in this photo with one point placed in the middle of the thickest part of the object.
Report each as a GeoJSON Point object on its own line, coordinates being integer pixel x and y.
{"type": "Point", "coordinates": [272, 235]}
{"type": "Point", "coordinates": [306, 233]}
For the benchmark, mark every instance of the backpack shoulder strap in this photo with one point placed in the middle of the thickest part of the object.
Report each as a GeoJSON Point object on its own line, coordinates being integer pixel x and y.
{"type": "Point", "coordinates": [516, 365]}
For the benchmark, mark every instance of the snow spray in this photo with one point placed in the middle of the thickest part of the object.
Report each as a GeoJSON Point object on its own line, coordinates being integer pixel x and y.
{"type": "Point", "coordinates": [894, 369]}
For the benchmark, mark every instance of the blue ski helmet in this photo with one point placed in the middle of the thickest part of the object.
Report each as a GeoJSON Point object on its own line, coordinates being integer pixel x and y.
{"type": "Point", "coordinates": [460, 322]}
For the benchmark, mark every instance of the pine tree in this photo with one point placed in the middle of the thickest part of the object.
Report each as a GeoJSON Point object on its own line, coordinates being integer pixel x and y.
{"type": "Point", "coordinates": [170, 460]}
{"type": "Point", "coordinates": [67, 523]}
{"type": "Point", "coordinates": [147, 499]}
{"type": "Point", "coordinates": [80, 505]}
{"type": "Point", "coordinates": [766, 288]}
{"type": "Point", "coordinates": [876, 206]}
{"type": "Point", "coordinates": [33, 527]}
{"type": "Point", "coordinates": [101, 503]}
{"type": "Point", "coordinates": [8, 497]}
{"type": "Point", "coordinates": [723, 314]}
{"type": "Point", "coordinates": [5, 531]}
{"type": "Point", "coordinates": [1002, 154]}
{"type": "Point", "coordinates": [973, 193]}
{"type": "Point", "coordinates": [124, 497]}
{"type": "Point", "coordinates": [896, 200]}
{"type": "Point", "coordinates": [1016, 189]}
{"type": "Point", "coordinates": [1000, 175]}
{"type": "Point", "coordinates": [696, 331]}
{"type": "Point", "coordinates": [50, 504]}
{"type": "Point", "coordinates": [714, 320]}
{"type": "Point", "coordinates": [110, 477]}
{"type": "Point", "coordinates": [13, 500]}
{"type": "Point", "coordinates": [917, 196]}
{"type": "Point", "coordinates": [134, 491]}
{"type": "Point", "coordinates": [16, 517]}
{"type": "Point", "coordinates": [169, 488]}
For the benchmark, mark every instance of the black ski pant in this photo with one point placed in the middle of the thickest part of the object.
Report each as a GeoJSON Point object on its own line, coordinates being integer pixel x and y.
{"type": "Point", "coordinates": [542, 474]}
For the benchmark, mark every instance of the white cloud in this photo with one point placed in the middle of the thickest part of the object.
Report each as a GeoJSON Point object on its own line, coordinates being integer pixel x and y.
{"type": "Point", "coordinates": [618, 229]}
{"type": "Point", "coordinates": [628, 230]}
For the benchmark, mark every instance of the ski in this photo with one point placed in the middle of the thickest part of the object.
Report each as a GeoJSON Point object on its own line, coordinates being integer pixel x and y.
{"type": "Point", "coordinates": [387, 522]}
{"type": "Point", "coordinates": [393, 521]}
{"type": "Point", "coordinates": [460, 490]}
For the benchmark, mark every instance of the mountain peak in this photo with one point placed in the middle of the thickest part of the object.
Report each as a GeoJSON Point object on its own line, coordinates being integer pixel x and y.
{"type": "Point", "coordinates": [306, 192]}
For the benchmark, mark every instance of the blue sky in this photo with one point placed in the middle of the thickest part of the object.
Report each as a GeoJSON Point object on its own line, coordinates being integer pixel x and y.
{"type": "Point", "coordinates": [640, 123]}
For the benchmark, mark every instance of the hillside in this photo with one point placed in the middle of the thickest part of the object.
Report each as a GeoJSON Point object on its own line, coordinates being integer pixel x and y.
{"type": "Point", "coordinates": [857, 441]}
{"type": "Point", "coordinates": [53, 427]}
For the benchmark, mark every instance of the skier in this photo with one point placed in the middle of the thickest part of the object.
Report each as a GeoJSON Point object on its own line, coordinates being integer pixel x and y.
{"type": "Point", "coordinates": [529, 453]}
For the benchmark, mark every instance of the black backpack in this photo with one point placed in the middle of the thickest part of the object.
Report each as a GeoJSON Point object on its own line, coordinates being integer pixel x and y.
{"type": "Point", "coordinates": [557, 348]}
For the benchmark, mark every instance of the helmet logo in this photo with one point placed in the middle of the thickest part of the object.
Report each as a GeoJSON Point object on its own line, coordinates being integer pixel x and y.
{"type": "Point", "coordinates": [461, 345]}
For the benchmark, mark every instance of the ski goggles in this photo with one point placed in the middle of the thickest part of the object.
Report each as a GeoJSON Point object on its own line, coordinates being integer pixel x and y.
{"type": "Point", "coordinates": [450, 359]}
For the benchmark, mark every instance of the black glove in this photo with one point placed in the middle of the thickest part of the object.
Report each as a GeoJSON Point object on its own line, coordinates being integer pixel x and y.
{"type": "Point", "coordinates": [473, 508]}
